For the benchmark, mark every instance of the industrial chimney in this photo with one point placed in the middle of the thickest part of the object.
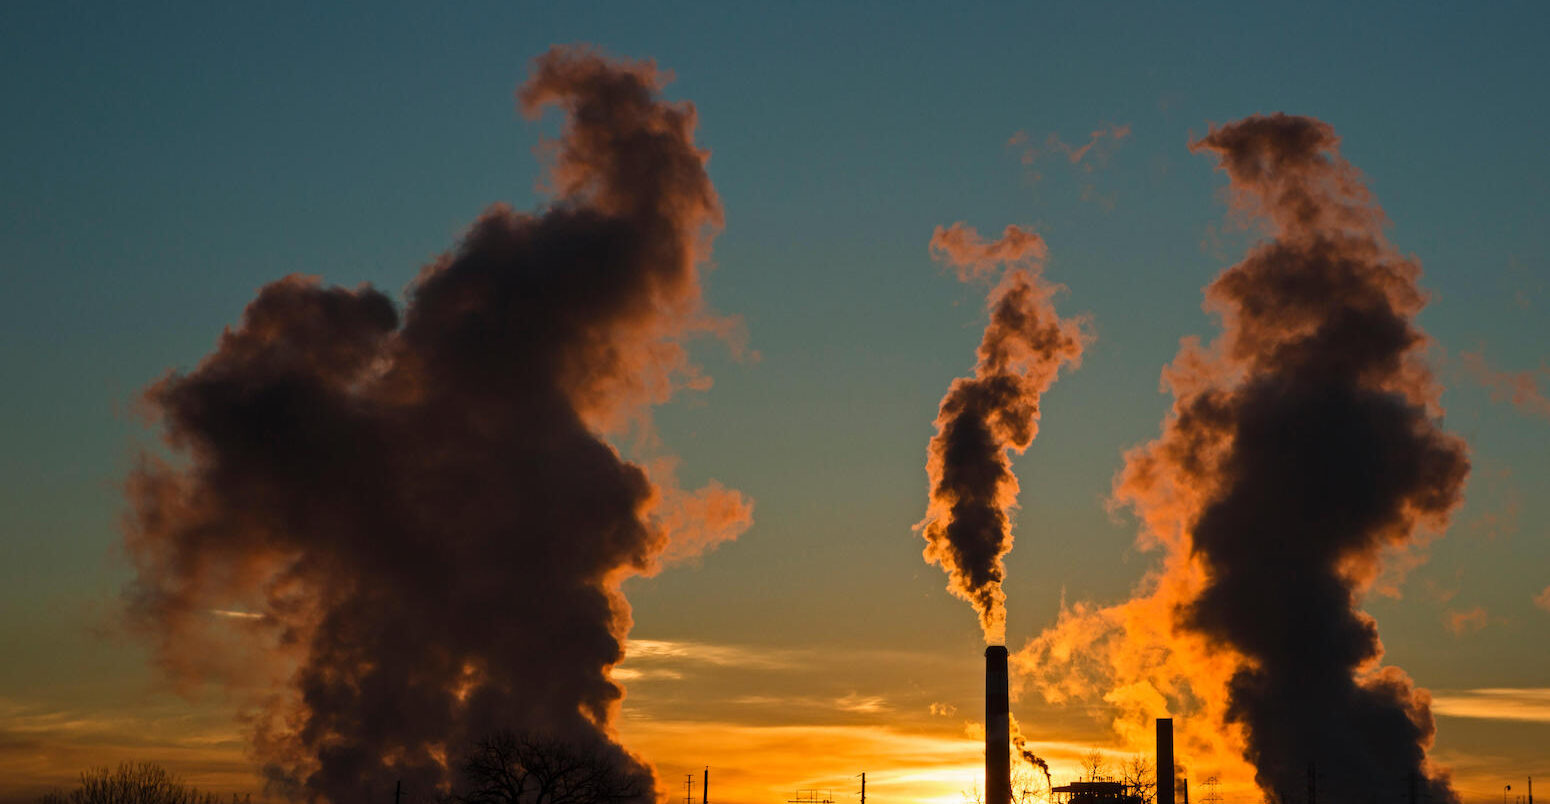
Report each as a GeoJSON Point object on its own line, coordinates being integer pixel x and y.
{"type": "Point", "coordinates": [998, 748]}
{"type": "Point", "coordinates": [1165, 772]}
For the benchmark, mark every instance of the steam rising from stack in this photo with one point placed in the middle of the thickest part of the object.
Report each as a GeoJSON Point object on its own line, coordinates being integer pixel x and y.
{"type": "Point", "coordinates": [1301, 446]}
{"type": "Point", "coordinates": [968, 526]}
{"type": "Point", "coordinates": [1330, 456]}
{"type": "Point", "coordinates": [421, 507]}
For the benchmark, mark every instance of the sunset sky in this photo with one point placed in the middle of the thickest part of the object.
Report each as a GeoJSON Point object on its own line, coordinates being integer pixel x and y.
{"type": "Point", "coordinates": [159, 165]}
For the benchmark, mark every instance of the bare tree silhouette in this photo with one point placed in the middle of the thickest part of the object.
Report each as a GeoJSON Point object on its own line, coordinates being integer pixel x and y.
{"type": "Point", "coordinates": [1029, 786]}
{"type": "Point", "coordinates": [1139, 775]}
{"type": "Point", "coordinates": [133, 783]}
{"type": "Point", "coordinates": [510, 767]}
{"type": "Point", "coordinates": [1094, 765]}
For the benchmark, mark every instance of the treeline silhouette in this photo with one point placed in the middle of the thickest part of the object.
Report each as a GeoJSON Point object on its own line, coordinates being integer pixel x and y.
{"type": "Point", "coordinates": [135, 783]}
{"type": "Point", "coordinates": [506, 767]}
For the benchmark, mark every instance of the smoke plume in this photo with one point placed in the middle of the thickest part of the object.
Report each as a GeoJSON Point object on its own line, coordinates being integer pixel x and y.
{"type": "Point", "coordinates": [1302, 446]}
{"type": "Point", "coordinates": [1020, 745]}
{"type": "Point", "coordinates": [968, 528]}
{"type": "Point", "coordinates": [417, 510]}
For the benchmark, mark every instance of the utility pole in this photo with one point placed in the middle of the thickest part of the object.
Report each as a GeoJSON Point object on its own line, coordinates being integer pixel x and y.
{"type": "Point", "coordinates": [705, 788]}
{"type": "Point", "coordinates": [398, 790]}
{"type": "Point", "coordinates": [863, 787]}
{"type": "Point", "coordinates": [688, 788]}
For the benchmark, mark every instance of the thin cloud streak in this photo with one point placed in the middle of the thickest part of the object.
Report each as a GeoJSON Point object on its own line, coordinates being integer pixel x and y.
{"type": "Point", "coordinates": [237, 615]}
{"type": "Point", "coordinates": [1531, 704]}
{"type": "Point", "coordinates": [853, 702]}
{"type": "Point", "coordinates": [746, 657]}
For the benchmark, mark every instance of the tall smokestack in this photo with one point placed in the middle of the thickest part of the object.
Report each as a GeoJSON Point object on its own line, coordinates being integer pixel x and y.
{"type": "Point", "coordinates": [1165, 774]}
{"type": "Point", "coordinates": [998, 742]}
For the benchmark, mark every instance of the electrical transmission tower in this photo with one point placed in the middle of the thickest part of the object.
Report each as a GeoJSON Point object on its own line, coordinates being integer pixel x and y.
{"type": "Point", "coordinates": [1211, 795]}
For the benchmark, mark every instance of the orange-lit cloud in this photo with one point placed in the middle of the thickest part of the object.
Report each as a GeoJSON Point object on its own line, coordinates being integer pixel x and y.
{"type": "Point", "coordinates": [984, 418]}
{"type": "Point", "coordinates": [1521, 388]}
{"type": "Point", "coordinates": [961, 247]}
{"type": "Point", "coordinates": [1542, 599]}
{"type": "Point", "coordinates": [1461, 623]}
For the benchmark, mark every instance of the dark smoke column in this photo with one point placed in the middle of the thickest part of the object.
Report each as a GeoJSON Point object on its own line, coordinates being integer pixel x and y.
{"type": "Point", "coordinates": [983, 418]}
{"type": "Point", "coordinates": [1310, 434]}
{"type": "Point", "coordinates": [412, 518]}
{"type": "Point", "coordinates": [998, 747]}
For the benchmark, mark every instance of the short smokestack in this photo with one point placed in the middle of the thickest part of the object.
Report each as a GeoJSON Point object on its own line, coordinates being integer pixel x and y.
{"type": "Point", "coordinates": [1165, 772]}
{"type": "Point", "coordinates": [998, 740]}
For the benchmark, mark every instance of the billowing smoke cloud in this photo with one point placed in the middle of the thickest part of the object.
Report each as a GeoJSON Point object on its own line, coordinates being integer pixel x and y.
{"type": "Point", "coordinates": [1302, 446]}
{"type": "Point", "coordinates": [418, 510]}
{"type": "Point", "coordinates": [968, 526]}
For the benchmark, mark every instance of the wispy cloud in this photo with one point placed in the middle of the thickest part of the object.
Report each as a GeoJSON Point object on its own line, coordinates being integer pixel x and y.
{"type": "Point", "coordinates": [1460, 623]}
{"type": "Point", "coordinates": [237, 615]}
{"type": "Point", "coordinates": [1521, 388]}
{"type": "Point", "coordinates": [1530, 704]}
{"type": "Point", "coordinates": [683, 652]}
{"type": "Point", "coordinates": [1542, 599]}
{"type": "Point", "coordinates": [656, 674]}
{"type": "Point", "coordinates": [1028, 153]}
{"type": "Point", "coordinates": [866, 704]}
{"type": "Point", "coordinates": [850, 702]}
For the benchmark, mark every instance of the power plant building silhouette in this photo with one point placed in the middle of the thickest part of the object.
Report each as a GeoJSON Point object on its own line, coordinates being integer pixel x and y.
{"type": "Point", "coordinates": [998, 751]}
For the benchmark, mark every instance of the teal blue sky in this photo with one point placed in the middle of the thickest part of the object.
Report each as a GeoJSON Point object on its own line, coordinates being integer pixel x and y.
{"type": "Point", "coordinates": [161, 161]}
